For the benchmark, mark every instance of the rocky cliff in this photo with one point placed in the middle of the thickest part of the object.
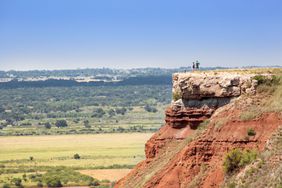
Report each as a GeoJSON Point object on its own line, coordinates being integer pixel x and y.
{"type": "Point", "coordinates": [203, 123]}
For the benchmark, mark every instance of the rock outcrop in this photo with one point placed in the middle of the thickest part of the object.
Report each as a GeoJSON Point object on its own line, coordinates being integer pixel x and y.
{"type": "Point", "coordinates": [212, 85]}
{"type": "Point", "coordinates": [182, 155]}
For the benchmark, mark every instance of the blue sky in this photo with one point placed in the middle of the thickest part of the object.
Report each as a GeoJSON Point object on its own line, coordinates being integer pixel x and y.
{"type": "Point", "coordinates": [68, 34]}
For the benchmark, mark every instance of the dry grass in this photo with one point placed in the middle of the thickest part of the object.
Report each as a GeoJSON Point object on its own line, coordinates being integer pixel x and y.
{"type": "Point", "coordinates": [199, 177]}
{"type": "Point", "coordinates": [220, 122]}
{"type": "Point", "coordinates": [241, 71]}
{"type": "Point", "coordinates": [270, 94]}
{"type": "Point", "coordinates": [252, 70]}
{"type": "Point", "coordinates": [275, 103]}
{"type": "Point", "coordinates": [252, 113]}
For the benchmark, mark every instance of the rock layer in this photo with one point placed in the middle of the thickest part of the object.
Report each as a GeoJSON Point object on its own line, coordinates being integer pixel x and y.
{"type": "Point", "coordinates": [212, 85]}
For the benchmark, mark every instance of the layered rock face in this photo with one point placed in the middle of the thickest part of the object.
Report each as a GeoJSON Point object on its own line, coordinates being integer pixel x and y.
{"type": "Point", "coordinates": [198, 95]}
{"type": "Point", "coordinates": [176, 154]}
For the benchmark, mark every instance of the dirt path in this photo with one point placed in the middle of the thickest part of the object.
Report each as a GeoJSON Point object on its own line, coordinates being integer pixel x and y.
{"type": "Point", "coordinates": [109, 174]}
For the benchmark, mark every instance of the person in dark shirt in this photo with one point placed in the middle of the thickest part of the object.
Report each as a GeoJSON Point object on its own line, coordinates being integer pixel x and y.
{"type": "Point", "coordinates": [197, 65]}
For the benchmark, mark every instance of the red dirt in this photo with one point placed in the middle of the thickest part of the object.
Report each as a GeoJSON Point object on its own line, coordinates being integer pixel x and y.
{"type": "Point", "coordinates": [184, 167]}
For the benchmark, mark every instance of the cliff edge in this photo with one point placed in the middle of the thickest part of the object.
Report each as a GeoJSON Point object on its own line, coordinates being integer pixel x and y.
{"type": "Point", "coordinates": [211, 114]}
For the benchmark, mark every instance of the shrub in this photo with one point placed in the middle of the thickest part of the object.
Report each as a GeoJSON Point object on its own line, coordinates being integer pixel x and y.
{"type": "Point", "coordinates": [98, 112]}
{"type": "Point", "coordinates": [236, 159]}
{"type": "Point", "coordinates": [61, 123]}
{"type": "Point", "coordinates": [121, 111]}
{"type": "Point", "coordinates": [112, 112]}
{"type": "Point", "coordinates": [47, 125]}
{"type": "Point", "coordinates": [251, 132]}
{"type": "Point", "coordinates": [39, 184]}
{"type": "Point", "coordinates": [24, 177]}
{"type": "Point", "coordinates": [31, 158]}
{"type": "Point", "coordinates": [261, 79]}
{"type": "Point", "coordinates": [94, 183]}
{"type": "Point", "coordinates": [150, 108]}
{"type": "Point", "coordinates": [267, 84]}
{"type": "Point", "coordinates": [274, 80]}
{"type": "Point", "coordinates": [232, 160]}
{"type": "Point", "coordinates": [17, 182]}
{"type": "Point", "coordinates": [6, 185]}
{"type": "Point", "coordinates": [86, 124]}
{"type": "Point", "coordinates": [76, 156]}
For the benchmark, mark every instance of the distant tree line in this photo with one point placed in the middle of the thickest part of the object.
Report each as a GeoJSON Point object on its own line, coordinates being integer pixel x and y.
{"type": "Point", "coordinates": [141, 80]}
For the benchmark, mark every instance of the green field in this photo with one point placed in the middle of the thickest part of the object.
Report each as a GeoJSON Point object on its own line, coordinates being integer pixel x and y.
{"type": "Point", "coordinates": [121, 150]}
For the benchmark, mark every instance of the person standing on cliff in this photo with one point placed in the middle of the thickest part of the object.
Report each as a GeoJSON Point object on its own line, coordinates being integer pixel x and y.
{"type": "Point", "coordinates": [193, 66]}
{"type": "Point", "coordinates": [197, 65]}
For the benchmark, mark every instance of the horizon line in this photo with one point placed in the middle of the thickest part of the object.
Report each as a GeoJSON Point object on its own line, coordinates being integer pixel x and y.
{"type": "Point", "coordinates": [167, 68]}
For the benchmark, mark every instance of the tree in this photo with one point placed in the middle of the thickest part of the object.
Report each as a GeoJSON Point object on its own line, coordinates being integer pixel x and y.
{"type": "Point", "coordinates": [61, 123]}
{"type": "Point", "coordinates": [121, 110]}
{"type": "Point", "coordinates": [98, 113]}
{"type": "Point", "coordinates": [47, 125]}
{"type": "Point", "coordinates": [76, 156]}
{"type": "Point", "coordinates": [111, 113]}
{"type": "Point", "coordinates": [86, 124]}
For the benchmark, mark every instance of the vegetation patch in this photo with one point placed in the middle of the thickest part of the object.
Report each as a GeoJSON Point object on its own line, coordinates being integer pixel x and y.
{"type": "Point", "coordinates": [251, 114]}
{"type": "Point", "coordinates": [176, 95]}
{"type": "Point", "coordinates": [251, 132]}
{"type": "Point", "coordinates": [267, 84]}
{"type": "Point", "coordinates": [236, 159]}
{"type": "Point", "coordinates": [220, 122]}
{"type": "Point", "coordinates": [204, 124]}
{"type": "Point", "coordinates": [65, 176]}
{"type": "Point", "coordinates": [82, 110]}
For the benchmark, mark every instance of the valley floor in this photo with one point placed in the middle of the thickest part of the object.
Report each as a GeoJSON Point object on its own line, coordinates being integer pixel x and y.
{"type": "Point", "coordinates": [102, 156]}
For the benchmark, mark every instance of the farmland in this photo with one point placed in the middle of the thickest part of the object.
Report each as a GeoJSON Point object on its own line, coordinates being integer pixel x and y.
{"type": "Point", "coordinates": [29, 154]}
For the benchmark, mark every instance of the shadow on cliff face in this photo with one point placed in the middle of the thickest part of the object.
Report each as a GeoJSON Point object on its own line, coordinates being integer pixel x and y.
{"type": "Point", "coordinates": [212, 103]}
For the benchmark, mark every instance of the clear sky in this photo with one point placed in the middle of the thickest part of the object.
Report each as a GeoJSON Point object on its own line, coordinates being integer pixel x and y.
{"type": "Point", "coordinates": [68, 34]}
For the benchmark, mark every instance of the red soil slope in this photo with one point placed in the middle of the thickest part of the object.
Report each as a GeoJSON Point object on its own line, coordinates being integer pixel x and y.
{"type": "Point", "coordinates": [183, 168]}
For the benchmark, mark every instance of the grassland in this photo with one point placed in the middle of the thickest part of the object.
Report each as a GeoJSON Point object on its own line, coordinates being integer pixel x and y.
{"type": "Point", "coordinates": [121, 150]}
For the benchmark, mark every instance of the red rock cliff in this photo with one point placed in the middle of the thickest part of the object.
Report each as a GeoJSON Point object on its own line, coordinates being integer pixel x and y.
{"type": "Point", "coordinates": [181, 154]}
